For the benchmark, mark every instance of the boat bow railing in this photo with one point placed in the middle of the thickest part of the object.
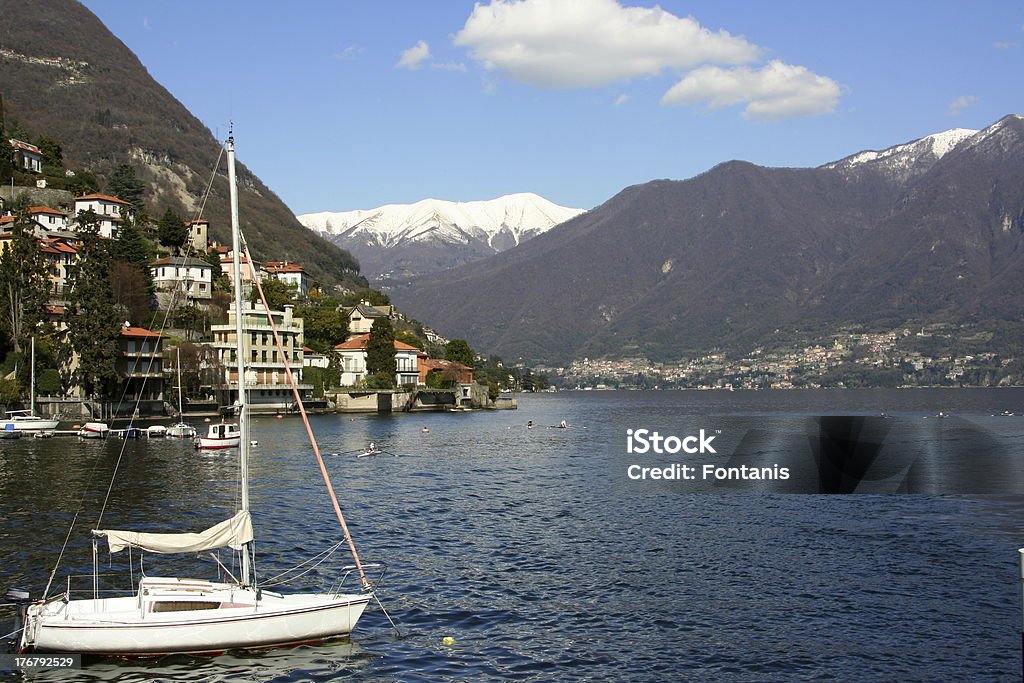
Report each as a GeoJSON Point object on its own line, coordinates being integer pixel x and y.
{"type": "Point", "coordinates": [351, 573]}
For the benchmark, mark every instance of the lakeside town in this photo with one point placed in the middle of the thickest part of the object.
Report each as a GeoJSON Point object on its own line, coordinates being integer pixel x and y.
{"type": "Point", "coordinates": [122, 312]}
{"type": "Point", "coordinates": [894, 358]}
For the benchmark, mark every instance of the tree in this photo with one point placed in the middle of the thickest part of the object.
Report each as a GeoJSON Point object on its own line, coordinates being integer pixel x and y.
{"type": "Point", "coordinates": [93, 323]}
{"type": "Point", "coordinates": [24, 285]}
{"type": "Point", "coordinates": [125, 185]}
{"type": "Point", "coordinates": [409, 338]}
{"type": "Point", "coordinates": [323, 325]}
{"type": "Point", "coordinates": [82, 183]}
{"type": "Point", "coordinates": [380, 352]}
{"type": "Point", "coordinates": [458, 350]}
{"type": "Point", "coordinates": [133, 249]}
{"type": "Point", "coordinates": [277, 292]}
{"type": "Point", "coordinates": [53, 155]}
{"type": "Point", "coordinates": [131, 297]}
{"type": "Point", "coordinates": [171, 230]}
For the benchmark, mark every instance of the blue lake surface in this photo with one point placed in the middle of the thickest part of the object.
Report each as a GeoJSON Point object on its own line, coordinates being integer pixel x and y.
{"type": "Point", "coordinates": [524, 546]}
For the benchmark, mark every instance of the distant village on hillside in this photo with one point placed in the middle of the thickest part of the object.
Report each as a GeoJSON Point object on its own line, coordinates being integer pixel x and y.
{"type": "Point", "coordinates": [123, 310]}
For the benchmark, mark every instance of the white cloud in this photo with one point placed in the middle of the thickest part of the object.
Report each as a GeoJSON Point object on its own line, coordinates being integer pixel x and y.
{"type": "Point", "coordinates": [1004, 45]}
{"type": "Point", "coordinates": [449, 66]}
{"type": "Point", "coordinates": [620, 100]}
{"type": "Point", "coordinates": [414, 57]}
{"type": "Point", "coordinates": [349, 52]}
{"type": "Point", "coordinates": [774, 91]}
{"type": "Point", "coordinates": [960, 103]}
{"type": "Point", "coordinates": [586, 43]}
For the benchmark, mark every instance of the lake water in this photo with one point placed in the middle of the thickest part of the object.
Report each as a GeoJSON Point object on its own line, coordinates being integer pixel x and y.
{"type": "Point", "coordinates": [532, 551]}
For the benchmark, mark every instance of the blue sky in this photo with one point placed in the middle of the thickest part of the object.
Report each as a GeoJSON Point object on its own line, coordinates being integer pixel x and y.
{"type": "Point", "coordinates": [351, 105]}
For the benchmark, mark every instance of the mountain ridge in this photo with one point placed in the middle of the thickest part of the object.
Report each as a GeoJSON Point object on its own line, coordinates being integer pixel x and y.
{"type": "Point", "coordinates": [743, 255]}
{"type": "Point", "coordinates": [403, 240]}
{"type": "Point", "coordinates": [64, 74]}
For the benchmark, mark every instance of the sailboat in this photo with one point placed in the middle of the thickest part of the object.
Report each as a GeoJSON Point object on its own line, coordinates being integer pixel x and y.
{"type": "Point", "coordinates": [181, 430]}
{"type": "Point", "coordinates": [181, 615]}
{"type": "Point", "coordinates": [27, 420]}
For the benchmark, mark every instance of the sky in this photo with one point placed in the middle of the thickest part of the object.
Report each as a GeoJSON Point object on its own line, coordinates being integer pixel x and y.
{"type": "Point", "coordinates": [342, 105]}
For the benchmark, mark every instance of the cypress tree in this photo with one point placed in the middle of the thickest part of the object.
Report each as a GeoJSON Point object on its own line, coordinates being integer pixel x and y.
{"type": "Point", "coordinates": [380, 353]}
{"type": "Point", "coordinates": [93, 323]}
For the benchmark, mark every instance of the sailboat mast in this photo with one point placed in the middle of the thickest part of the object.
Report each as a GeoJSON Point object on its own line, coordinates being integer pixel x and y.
{"type": "Point", "coordinates": [243, 418]}
{"type": "Point", "coordinates": [181, 406]}
{"type": "Point", "coordinates": [32, 381]}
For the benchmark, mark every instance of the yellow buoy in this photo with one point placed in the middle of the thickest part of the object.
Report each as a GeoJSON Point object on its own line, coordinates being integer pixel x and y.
{"type": "Point", "coordinates": [447, 640]}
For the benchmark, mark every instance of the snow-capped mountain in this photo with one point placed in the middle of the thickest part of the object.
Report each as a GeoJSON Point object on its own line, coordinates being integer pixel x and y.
{"type": "Point", "coordinates": [908, 160]}
{"type": "Point", "coordinates": [399, 240]}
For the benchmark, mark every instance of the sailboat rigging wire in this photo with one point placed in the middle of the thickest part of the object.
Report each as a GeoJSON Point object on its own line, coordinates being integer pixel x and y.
{"type": "Point", "coordinates": [163, 326]}
{"type": "Point", "coordinates": [393, 624]}
{"type": "Point", "coordinates": [305, 419]}
{"type": "Point", "coordinates": [318, 559]}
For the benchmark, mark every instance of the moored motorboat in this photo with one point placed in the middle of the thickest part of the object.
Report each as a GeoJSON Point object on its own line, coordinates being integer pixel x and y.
{"type": "Point", "coordinates": [94, 430]}
{"type": "Point", "coordinates": [220, 436]}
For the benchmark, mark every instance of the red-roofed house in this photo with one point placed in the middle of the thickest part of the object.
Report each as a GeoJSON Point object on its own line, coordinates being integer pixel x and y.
{"type": "Point", "coordinates": [450, 370]}
{"type": "Point", "coordinates": [27, 157]}
{"type": "Point", "coordinates": [352, 355]}
{"type": "Point", "coordinates": [292, 274]}
{"type": "Point", "coordinates": [49, 219]}
{"type": "Point", "coordinates": [60, 256]}
{"type": "Point", "coordinates": [109, 210]}
{"type": "Point", "coordinates": [141, 368]}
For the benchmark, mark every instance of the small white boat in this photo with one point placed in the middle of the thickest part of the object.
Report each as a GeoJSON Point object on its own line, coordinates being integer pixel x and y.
{"type": "Point", "coordinates": [220, 436]}
{"type": "Point", "coordinates": [94, 430]}
{"type": "Point", "coordinates": [27, 420]}
{"type": "Point", "coordinates": [9, 432]}
{"type": "Point", "coordinates": [156, 432]}
{"type": "Point", "coordinates": [181, 430]}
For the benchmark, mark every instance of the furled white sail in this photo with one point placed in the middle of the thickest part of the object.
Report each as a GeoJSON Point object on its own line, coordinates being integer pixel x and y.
{"type": "Point", "coordinates": [232, 533]}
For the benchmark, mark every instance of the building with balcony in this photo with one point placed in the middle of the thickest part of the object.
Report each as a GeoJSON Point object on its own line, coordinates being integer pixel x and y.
{"type": "Point", "coordinates": [140, 364]}
{"type": "Point", "coordinates": [180, 280]}
{"type": "Point", "coordinates": [352, 358]}
{"type": "Point", "coordinates": [265, 377]}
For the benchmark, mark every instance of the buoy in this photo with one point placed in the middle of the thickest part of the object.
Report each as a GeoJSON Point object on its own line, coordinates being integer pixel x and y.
{"type": "Point", "coordinates": [279, 416]}
{"type": "Point", "coordinates": [447, 640]}
{"type": "Point", "coordinates": [206, 420]}
{"type": "Point", "coordinates": [254, 442]}
{"type": "Point", "coordinates": [426, 429]}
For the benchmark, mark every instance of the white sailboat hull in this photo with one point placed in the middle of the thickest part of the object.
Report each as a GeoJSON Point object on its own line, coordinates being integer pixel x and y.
{"type": "Point", "coordinates": [180, 431]}
{"type": "Point", "coordinates": [136, 625]}
{"type": "Point", "coordinates": [29, 424]}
